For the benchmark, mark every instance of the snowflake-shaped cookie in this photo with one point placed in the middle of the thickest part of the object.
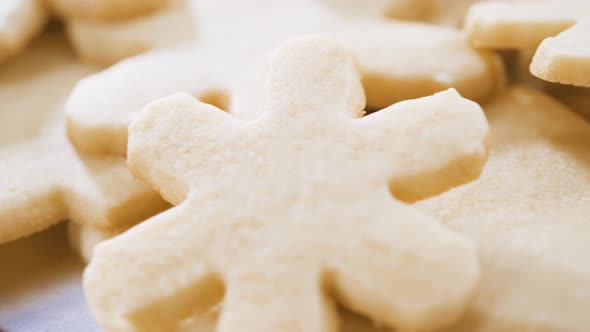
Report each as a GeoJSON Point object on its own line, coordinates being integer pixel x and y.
{"type": "Point", "coordinates": [282, 215]}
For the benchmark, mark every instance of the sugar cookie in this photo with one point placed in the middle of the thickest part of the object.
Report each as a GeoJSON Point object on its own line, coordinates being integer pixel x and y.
{"type": "Point", "coordinates": [396, 60]}
{"type": "Point", "coordinates": [20, 21]}
{"type": "Point", "coordinates": [110, 42]}
{"type": "Point", "coordinates": [526, 24]}
{"type": "Point", "coordinates": [522, 24]}
{"type": "Point", "coordinates": [566, 57]}
{"type": "Point", "coordinates": [44, 180]}
{"type": "Point", "coordinates": [529, 213]}
{"type": "Point", "coordinates": [105, 10]}
{"type": "Point", "coordinates": [274, 212]}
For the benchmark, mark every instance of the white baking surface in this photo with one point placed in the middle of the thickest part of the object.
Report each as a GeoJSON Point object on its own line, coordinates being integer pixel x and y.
{"type": "Point", "coordinates": [40, 286]}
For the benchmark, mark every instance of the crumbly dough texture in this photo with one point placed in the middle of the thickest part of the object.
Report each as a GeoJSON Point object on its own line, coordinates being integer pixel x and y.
{"type": "Point", "coordinates": [564, 58]}
{"type": "Point", "coordinates": [44, 180]}
{"type": "Point", "coordinates": [529, 213]}
{"type": "Point", "coordinates": [105, 10]}
{"type": "Point", "coordinates": [396, 61]}
{"type": "Point", "coordinates": [110, 42]}
{"type": "Point", "coordinates": [274, 214]}
{"type": "Point", "coordinates": [20, 21]}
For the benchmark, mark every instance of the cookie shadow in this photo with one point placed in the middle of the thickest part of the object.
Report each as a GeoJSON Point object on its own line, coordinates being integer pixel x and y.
{"type": "Point", "coordinates": [35, 264]}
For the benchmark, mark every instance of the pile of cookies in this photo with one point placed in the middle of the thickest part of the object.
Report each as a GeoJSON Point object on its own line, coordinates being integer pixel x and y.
{"type": "Point", "coordinates": [309, 165]}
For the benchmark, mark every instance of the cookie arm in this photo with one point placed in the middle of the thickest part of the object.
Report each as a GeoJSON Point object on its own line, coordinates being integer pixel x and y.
{"type": "Point", "coordinates": [171, 140]}
{"type": "Point", "coordinates": [312, 77]}
{"type": "Point", "coordinates": [435, 143]}
{"type": "Point", "coordinates": [147, 280]}
{"type": "Point", "coordinates": [401, 267]}
{"type": "Point", "coordinates": [273, 298]}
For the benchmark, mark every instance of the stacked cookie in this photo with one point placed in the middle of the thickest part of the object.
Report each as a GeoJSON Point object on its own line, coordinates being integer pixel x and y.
{"type": "Point", "coordinates": [102, 32]}
{"type": "Point", "coordinates": [267, 162]}
{"type": "Point", "coordinates": [549, 37]}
